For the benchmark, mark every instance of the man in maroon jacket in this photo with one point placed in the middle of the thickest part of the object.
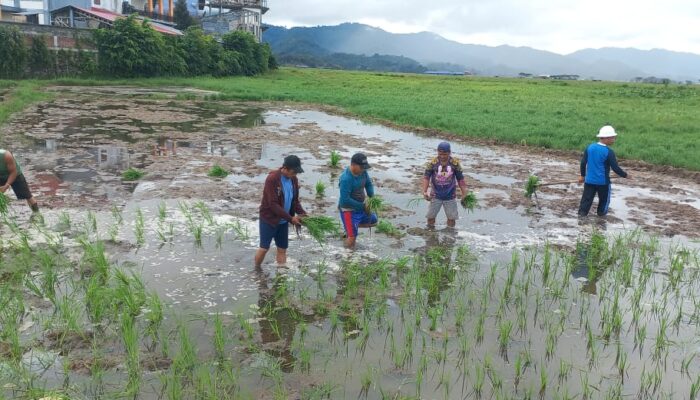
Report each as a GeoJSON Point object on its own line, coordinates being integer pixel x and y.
{"type": "Point", "coordinates": [279, 207]}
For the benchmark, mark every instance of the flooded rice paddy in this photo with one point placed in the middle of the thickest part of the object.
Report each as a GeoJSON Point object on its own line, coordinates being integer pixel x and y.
{"type": "Point", "coordinates": [146, 289]}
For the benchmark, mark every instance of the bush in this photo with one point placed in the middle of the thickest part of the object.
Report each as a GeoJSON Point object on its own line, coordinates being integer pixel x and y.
{"type": "Point", "coordinates": [13, 53]}
{"type": "Point", "coordinates": [41, 59]}
{"type": "Point", "coordinates": [132, 174]}
{"type": "Point", "coordinates": [132, 49]}
{"type": "Point", "coordinates": [251, 53]}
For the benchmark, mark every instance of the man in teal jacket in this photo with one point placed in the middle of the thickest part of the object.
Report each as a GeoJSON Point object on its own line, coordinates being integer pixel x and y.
{"type": "Point", "coordinates": [355, 186]}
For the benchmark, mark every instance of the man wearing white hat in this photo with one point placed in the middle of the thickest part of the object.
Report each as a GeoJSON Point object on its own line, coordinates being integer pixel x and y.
{"type": "Point", "coordinates": [597, 160]}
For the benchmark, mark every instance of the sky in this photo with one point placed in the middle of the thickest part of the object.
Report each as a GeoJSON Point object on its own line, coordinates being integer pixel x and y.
{"type": "Point", "coordinates": [562, 26]}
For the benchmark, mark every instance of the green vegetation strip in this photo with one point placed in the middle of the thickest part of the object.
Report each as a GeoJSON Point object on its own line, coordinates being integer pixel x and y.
{"type": "Point", "coordinates": [16, 96]}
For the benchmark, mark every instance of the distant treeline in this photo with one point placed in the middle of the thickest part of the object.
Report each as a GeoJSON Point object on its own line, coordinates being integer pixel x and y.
{"type": "Point", "coordinates": [131, 49]}
{"type": "Point", "coordinates": [355, 62]}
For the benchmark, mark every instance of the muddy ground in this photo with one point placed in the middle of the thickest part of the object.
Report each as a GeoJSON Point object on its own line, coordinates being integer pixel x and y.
{"type": "Point", "coordinates": [74, 148]}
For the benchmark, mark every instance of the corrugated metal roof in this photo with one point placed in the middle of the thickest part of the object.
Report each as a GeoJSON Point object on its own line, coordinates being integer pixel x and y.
{"type": "Point", "coordinates": [112, 16]}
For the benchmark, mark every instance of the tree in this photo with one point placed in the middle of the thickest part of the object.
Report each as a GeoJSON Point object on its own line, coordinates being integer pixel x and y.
{"type": "Point", "coordinates": [41, 61]}
{"type": "Point", "coordinates": [133, 49]}
{"type": "Point", "coordinates": [181, 15]}
{"type": "Point", "coordinates": [245, 44]}
{"type": "Point", "coordinates": [13, 53]}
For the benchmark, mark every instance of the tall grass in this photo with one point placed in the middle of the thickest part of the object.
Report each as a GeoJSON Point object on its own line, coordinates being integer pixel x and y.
{"type": "Point", "coordinates": [21, 94]}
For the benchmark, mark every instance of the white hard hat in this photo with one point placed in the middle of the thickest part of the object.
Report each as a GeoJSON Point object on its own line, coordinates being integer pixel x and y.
{"type": "Point", "coordinates": [606, 132]}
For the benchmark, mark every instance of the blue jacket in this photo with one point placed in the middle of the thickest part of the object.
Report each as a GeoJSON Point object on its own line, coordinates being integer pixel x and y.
{"type": "Point", "coordinates": [596, 163]}
{"type": "Point", "coordinates": [352, 190]}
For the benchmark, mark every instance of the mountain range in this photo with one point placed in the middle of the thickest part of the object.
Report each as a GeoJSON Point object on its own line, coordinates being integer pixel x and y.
{"type": "Point", "coordinates": [432, 50]}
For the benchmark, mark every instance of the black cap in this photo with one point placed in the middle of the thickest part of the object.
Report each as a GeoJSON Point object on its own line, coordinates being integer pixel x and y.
{"type": "Point", "coordinates": [361, 160]}
{"type": "Point", "coordinates": [293, 163]}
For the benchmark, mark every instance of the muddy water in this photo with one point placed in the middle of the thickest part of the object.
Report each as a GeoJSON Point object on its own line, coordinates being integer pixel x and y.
{"type": "Point", "coordinates": [74, 148]}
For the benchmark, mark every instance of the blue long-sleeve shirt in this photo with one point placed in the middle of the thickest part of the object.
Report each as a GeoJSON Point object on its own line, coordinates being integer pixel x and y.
{"type": "Point", "coordinates": [352, 190]}
{"type": "Point", "coordinates": [596, 163]}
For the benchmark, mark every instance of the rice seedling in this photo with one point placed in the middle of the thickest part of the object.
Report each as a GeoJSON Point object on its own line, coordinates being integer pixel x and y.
{"type": "Point", "coordinates": [130, 337]}
{"type": "Point", "coordinates": [132, 174]}
{"type": "Point", "coordinates": [320, 189]}
{"type": "Point", "coordinates": [366, 380]}
{"type": "Point", "coordinates": [246, 326]}
{"type": "Point", "coordinates": [139, 228]}
{"type": "Point", "coordinates": [504, 330]}
{"type": "Point", "coordinates": [217, 171]}
{"type": "Point", "coordinates": [219, 340]}
{"type": "Point", "coordinates": [162, 211]}
{"type": "Point", "coordinates": [206, 213]}
{"type": "Point", "coordinates": [240, 230]}
{"type": "Point", "coordinates": [517, 365]}
{"type": "Point", "coordinates": [388, 229]}
{"type": "Point", "coordinates": [531, 186]}
{"type": "Point", "coordinates": [4, 204]}
{"type": "Point", "coordinates": [375, 204]}
{"type": "Point", "coordinates": [197, 231]}
{"type": "Point", "coordinates": [321, 226]}
{"type": "Point", "coordinates": [695, 388]}
{"type": "Point", "coordinates": [334, 161]}
{"type": "Point", "coordinates": [154, 318]}
{"type": "Point", "coordinates": [565, 368]}
{"type": "Point", "coordinates": [305, 360]}
{"type": "Point", "coordinates": [478, 385]}
{"type": "Point", "coordinates": [415, 202]}
{"type": "Point", "coordinates": [543, 380]}
{"type": "Point", "coordinates": [469, 202]}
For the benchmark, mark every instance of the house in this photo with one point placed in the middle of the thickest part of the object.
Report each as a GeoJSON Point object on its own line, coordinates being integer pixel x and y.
{"type": "Point", "coordinates": [25, 11]}
{"type": "Point", "coordinates": [94, 17]}
{"type": "Point", "coordinates": [223, 16]}
{"type": "Point", "coordinates": [566, 77]}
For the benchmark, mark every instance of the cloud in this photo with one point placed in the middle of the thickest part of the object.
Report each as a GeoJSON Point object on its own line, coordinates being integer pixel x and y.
{"type": "Point", "coordinates": [563, 26]}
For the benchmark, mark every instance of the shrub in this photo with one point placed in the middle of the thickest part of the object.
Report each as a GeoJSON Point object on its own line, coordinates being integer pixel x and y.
{"type": "Point", "coordinates": [13, 53]}
{"type": "Point", "coordinates": [132, 174]}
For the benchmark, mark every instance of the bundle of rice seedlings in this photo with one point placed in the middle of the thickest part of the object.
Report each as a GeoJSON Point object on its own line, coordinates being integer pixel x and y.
{"type": "Point", "coordinates": [375, 204]}
{"type": "Point", "coordinates": [4, 202]}
{"type": "Point", "coordinates": [321, 226]}
{"type": "Point", "coordinates": [532, 182]}
{"type": "Point", "coordinates": [320, 189]}
{"type": "Point", "coordinates": [387, 228]}
{"type": "Point", "coordinates": [415, 202]}
{"type": "Point", "coordinates": [217, 171]}
{"type": "Point", "coordinates": [469, 202]}
{"type": "Point", "coordinates": [132, 174]}
{"type": "Point", "coordinates": [334, 161]}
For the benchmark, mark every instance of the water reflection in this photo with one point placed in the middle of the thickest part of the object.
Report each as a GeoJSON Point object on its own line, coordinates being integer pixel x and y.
{"type": "Point", "coordinates": [112, 156]}
{"type": "Point", "coordinates": [279, 324]}
{"type": "Point", "coordinates": [588, 270]}
{"type": "Point", "coordinates": [165, 147]}
{"type": "Point", "coordinates": [249, 118]}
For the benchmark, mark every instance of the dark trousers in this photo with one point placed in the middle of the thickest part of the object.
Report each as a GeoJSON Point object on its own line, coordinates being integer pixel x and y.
{"type": "Point", "coordinates": [589, 192]}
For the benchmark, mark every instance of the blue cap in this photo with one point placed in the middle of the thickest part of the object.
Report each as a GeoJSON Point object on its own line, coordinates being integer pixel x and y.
{"type": "Point", "coordinates": [444, 146]}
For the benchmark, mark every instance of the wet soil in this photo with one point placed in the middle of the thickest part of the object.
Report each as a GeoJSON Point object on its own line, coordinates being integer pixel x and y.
{"type": "Point", "coordinates": [74, 148]}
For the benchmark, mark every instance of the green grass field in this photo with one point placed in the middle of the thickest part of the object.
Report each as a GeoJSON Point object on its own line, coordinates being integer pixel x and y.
{"type": "Point", "coordinates": [15, 96]}
{"type": "Point", "coordinates": [658, 124]}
